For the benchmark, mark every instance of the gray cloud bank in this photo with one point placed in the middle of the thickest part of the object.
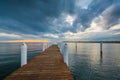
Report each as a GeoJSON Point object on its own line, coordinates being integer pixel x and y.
{"type": "Point", "coordinates": [55, 19]}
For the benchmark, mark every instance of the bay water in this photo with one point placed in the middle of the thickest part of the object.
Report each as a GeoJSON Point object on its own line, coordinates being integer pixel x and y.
{"type": "Point", "coordinates": [87, 63]}
{"type": "Point", "coordinates": [85, 60]}
{"type": "Point", "coordinates": [10, 56]}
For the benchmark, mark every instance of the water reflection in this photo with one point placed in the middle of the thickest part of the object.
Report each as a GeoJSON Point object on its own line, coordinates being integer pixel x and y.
{"type": "Point", "coordinates": [101, 58]}
{"type": "Point", "coordinates": [76, 48]}
{"type": "Point", "coordinates": [10, 56]}
{"type": "Point", "coordinates": [96, 65]}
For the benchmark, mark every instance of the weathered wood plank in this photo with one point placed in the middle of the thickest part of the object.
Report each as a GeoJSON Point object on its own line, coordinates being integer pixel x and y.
{"type": "Point", "coordinates": [48, 65]}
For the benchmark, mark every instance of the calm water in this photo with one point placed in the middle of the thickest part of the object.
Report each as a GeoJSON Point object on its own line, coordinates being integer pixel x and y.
{"type": "Point", "coordinates": [10, 56]}
{"type": "Point", "coordinates": [86, 63]}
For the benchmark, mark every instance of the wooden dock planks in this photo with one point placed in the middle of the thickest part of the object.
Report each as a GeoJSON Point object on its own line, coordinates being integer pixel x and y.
{"type": "Point", "coordinates": [48, 65]}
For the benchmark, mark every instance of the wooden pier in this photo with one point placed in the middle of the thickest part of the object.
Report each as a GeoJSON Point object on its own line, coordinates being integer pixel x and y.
{"type": "Point", "coordinates": [48, 65]}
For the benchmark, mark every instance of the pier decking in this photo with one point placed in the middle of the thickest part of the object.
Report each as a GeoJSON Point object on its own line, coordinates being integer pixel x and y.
{"type": "Point", "coordinates": [48, 65]}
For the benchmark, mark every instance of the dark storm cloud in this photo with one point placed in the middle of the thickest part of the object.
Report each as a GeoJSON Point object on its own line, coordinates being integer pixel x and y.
{"type": "Point", "coordinates": [31, 14]}
{"type": "Point", "coordinates": [114, 16]}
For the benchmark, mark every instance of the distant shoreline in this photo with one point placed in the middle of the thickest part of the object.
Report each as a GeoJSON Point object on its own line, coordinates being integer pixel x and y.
{"type": "Point", "coordinates": [92, 41]}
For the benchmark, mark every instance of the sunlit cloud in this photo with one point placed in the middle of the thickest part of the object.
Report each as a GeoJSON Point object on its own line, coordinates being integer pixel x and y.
{"type": "Point", "coordinates": [62, 23]}
{"type": "Point", "coordinates": [71, 36]}
{"type": "Point", "coordinates": [89, 35]}
{"type": "Point", "coordinates": [9, 35]}
{"type": "Point", "coordinates": [117, 33]}
{"type": "Point", "coordinates": [51, 35]}
{"type": "Point", "coordinates": [116, 27]}
{"type": "Point", "coordinates": [77, 36]}
{"type": "Point", "coordinates": [95, 27]}
{"type": "Point", "coordinates": [102, 22]}
{"type": "Point", "coordinates": [70, 19]}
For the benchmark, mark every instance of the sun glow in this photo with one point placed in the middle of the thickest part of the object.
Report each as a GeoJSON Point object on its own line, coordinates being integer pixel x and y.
{"type": "Point", "coordinates": [25, 41]}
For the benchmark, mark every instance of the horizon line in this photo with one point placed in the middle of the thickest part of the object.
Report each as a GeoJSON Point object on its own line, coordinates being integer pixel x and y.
{"type": "Point", "coordinates": [26, 40]}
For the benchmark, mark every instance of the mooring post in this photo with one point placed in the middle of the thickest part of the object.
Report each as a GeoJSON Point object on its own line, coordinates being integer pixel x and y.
{"type": "Point", "coordinates": [76, 47]}
{"type": "Point", "coordinates": [46, 45]}
{"type": "Point", "coordinates": [101, 44]}
{"type": "Point", "coordinates": [49, 44]}
{"type": "Point", "coordinates": [43, 47]}
{"type": "Point", "coordinates": [23, 54]}
{"type": "Point", "coordinates": [61, 47]}
{"type": "Point", "coordinates": [66, 54]}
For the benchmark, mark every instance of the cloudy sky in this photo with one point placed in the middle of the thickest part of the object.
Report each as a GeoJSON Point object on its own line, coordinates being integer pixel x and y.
{"type": "Point", "coordinates": [60, 19]}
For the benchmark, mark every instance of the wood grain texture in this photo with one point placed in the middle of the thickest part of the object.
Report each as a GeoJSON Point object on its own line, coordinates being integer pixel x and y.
{"type": "Point", "coordinates": [48, 65]}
